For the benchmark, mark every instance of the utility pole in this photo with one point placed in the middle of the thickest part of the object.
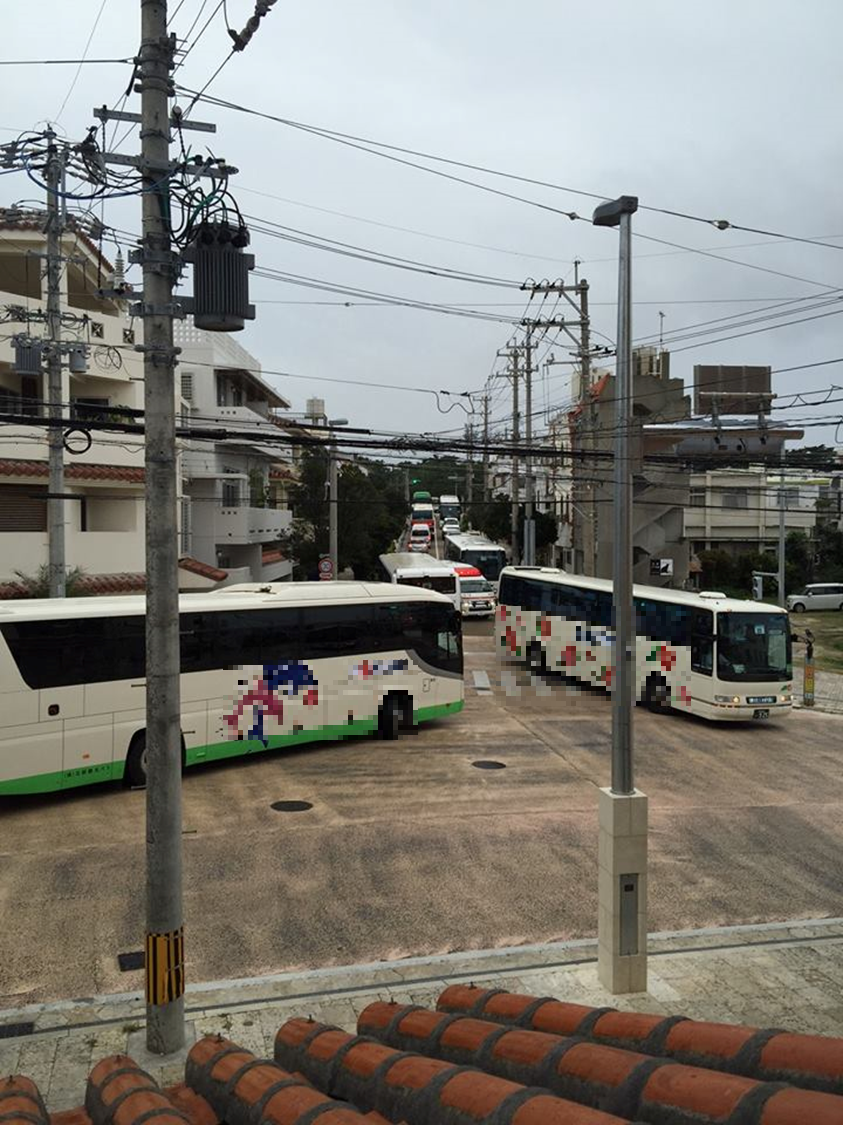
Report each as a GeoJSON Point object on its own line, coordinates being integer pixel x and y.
{"type": "Point", "coordinates": [164, 905]}
{"type": "Point", "coordinates": [570, 293]}
{"type": "Point", "coordinates": [585, 391]}
{"type": "Point", "coordinates": [333, 511]}
{"type": "Point", "coordinates": [486, 449]}
{"type": "Point", "coordinates": [529, 545]}
{"type": "Point", "coordinates": [516, 468]}
{"type": "Point", "coordinates": [469, 465]}
{"type": "Point", "coordinates": [55, 434]}
{"type": "Point", "coordinates": [781, 589]}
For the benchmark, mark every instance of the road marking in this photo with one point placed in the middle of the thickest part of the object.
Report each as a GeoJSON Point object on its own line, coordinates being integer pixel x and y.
{"type": "Point", "coordinates": [481, 683]}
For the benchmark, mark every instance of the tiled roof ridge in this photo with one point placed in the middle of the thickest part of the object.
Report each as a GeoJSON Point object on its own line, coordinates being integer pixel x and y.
{"type": "Point", "coordinates": [423, 1067]}
{"type": "Point", "coordinates": [15, 466]}
{"type": "Point", "coordinates": [194, 566]}
{"type": "Point", "coordinates": [813, 1062]}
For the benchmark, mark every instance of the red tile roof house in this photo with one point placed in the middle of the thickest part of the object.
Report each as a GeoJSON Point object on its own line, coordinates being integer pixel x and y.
{"type": "Point", "coordinates": [484, 1057]}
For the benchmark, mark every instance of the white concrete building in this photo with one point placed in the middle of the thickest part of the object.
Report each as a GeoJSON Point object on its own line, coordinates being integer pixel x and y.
{"type": "Point", "coordinates": [231, 486]}
{"type": "Point", "coordinates": [104, 532]}
{"type": "Point", "coordinates": [738, 509]}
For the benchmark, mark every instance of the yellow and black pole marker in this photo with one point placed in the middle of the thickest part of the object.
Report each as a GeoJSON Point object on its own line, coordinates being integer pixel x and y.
{"type": "Point", "coordinates": [808, 677]}
{"type": "Point", "coordinates": [164, 967]}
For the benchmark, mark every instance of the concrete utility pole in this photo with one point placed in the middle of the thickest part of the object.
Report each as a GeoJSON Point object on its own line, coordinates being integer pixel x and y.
{"type": "Point", "coordinates": [622, 851]}
{"type": "Point", "coordinates": [516, 467]}
{"type": "Point", "coordinates": [55, 435]}
{"type": "Point", "coordinates": [164, 908]}
{"type": "Point", "coordinates": [485, 449]}
{"type": "Point", "coordinates": [529, 545]}
{"type": "Point", "coordinates": [469, 465]}
{"type": "Point", "coordinates": [781, 589]}
{"type": "Point", "coordinates": [585, 392]}
{"type": "Point", "coordinates": [333, 511]}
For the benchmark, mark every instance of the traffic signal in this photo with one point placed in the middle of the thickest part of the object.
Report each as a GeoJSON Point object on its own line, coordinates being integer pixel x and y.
{"type": "Point", "coordinates": [758, 587]}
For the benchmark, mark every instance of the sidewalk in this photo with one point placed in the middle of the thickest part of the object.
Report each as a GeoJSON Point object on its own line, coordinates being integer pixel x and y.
{"type": "Point", "coordinates": [828, 690]}
{"type": "Point", "coordinates": [787, 975]}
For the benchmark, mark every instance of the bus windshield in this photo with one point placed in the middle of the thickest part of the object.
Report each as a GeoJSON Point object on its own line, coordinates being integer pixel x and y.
{"type": "Point", "coordinates": [490, 563]}
{"type": "Point", "coordinates": [753, 646]}
{"type": "Point", "coordinates": [475, 586]}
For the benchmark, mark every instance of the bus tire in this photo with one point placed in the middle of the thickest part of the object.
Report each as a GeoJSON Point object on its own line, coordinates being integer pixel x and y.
{"type": "Point", "coordinates": [395, 716]}
{"type": "Point", "coordinates": [536, 659]}
{"type": "Point", "coordinates": [135, 772]}
{"type": "Point", "coordinates": [798, 607]}
{"type": "Point", "coordinates": [657, 693]}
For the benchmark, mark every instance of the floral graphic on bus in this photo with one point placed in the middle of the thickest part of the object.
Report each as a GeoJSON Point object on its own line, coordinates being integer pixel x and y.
{"type": "Point", "coordinates": [264, 698]}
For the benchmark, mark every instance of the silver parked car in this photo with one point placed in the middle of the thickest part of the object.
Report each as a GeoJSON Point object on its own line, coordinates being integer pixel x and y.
{"type": "Point", "coordinates": [819, 595]}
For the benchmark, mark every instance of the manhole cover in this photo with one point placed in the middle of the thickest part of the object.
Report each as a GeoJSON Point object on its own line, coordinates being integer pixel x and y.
{"type": "Point", "coordinates": [13, 1030]}
{"type": "Point", "coordinates": [291, 806]}
{"type": "Point", "coordinates": [130, 962]}
{"type": "Point", "coordinates": [486, 764]}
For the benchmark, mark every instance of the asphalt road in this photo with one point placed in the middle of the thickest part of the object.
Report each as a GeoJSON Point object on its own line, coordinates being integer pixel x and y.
{"type": "Point", "coordinates": [409, 849]}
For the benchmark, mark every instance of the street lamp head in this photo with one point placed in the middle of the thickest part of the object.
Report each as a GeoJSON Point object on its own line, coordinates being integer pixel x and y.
{"type": "Point", "coordinates": [609, 214]}
{"type": "Point", "coordinates": [337, 421]}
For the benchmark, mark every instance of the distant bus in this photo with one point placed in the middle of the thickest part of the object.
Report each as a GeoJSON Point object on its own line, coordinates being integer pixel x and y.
{"type": "Point", "coordinates": [422, 512]}
{"type": "Point", "coordinates": [405, 569]}
{"type": "Point", "coordinates": [476, 550]}
{"type": "Point", "coordinates": [449, 507]}
{"type": "Point", "coordinates": [422, 497]}
{"type": "Point", "coordinates": [705, 654]}
{"type": "Point", "coordinates": [261, 667]}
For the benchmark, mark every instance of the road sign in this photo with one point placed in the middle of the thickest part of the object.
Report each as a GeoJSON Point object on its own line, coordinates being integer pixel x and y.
{"type": "Point", "coordinates": [661, 568]}
{"type": "Point", "coordinates": [326, 568]}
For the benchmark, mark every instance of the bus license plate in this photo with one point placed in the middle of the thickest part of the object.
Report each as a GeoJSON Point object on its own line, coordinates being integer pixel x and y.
{"type": "Point", "coordinates": [762, 713]}
{"type": "Point", "coordinates": [761, 699]}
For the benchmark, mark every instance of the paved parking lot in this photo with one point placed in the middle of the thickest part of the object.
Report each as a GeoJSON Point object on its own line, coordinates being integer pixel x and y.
{"type": "Point", "coordinates": [409, 849]}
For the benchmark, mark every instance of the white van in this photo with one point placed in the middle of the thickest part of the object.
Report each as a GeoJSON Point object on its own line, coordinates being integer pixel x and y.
{"type": "Point", "coordinates": [819, 595]}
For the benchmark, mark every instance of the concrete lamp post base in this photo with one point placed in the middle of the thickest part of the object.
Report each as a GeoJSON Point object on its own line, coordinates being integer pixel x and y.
{"type": "Point", "coordinates": [622, 892]}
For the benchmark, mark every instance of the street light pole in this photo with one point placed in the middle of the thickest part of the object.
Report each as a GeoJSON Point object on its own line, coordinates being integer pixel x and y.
{"type": "Point", "coordinates": [622, 851]}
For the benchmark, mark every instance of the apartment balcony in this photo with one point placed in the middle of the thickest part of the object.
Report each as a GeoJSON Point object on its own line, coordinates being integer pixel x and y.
{"type": "Point", "coordinates": [250, 525]}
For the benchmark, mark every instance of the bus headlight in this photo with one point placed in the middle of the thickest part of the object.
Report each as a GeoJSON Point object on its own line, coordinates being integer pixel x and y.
{"type": "Point", "coordinates": [785, 699]}
{"type": "Point", "coordinates": [727, 699]}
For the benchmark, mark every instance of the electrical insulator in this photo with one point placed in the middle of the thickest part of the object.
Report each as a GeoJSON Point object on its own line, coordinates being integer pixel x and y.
{"type": "Point", "coordinates": [77, 359]}
{"type": "Point", "coordinates": [27, 355]}
{"type": "Point", "coordinates": [220, 277]}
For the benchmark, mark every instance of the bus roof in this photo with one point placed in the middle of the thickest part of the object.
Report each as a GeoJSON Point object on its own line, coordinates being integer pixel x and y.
{"type": "Point", "coordinates": [400, 561]}
{"type": "Point", "coordinates": [702, 600]}
{"type": "Point", "coordinates": [467, 540]}
{"type": "Point", "coordinates": [248, 595]}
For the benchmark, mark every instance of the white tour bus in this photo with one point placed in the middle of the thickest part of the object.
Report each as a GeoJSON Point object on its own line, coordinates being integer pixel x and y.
{"type": "Point", "coordinates": [406, 569]}
{"type": "Point", "coordinates": [261, 667]}
{"type": "Point", "coordinates": [704, 653]}
{"type": "Point", "coordinates": [449, 508]}
{"type": "Point", "coordinates": [476, 550]}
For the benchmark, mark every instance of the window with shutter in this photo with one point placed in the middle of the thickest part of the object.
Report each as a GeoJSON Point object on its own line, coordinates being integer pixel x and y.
{"type": "Point", "coordinates": [187, 386]}
{"type": "Point", "coordinates": [21, 507]}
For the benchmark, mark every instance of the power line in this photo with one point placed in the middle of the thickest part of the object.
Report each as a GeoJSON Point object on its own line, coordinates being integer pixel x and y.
{"type": "Point", "coordinates": [82, 60]}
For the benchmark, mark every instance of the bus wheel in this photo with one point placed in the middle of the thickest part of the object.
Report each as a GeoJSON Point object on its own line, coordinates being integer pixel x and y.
{"type": "Point", "coordinates": [657, 694]}
{"type": "Point", "coordinates": [536, 661]}
{"type": "Point", "coordinates": [136, 759]}
{"type": "Point", "coordinates": [395, 716]}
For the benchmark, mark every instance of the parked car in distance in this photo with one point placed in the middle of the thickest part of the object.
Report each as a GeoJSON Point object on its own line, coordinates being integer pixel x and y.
{"type": "Point", "coordinates": [819, 595]}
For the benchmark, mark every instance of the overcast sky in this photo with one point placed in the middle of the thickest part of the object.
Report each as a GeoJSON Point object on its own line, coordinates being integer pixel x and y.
{"type": "Point", "coordinates": [717, 109]}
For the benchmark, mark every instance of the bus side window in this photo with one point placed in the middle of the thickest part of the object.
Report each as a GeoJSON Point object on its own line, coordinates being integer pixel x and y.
{"type": "Point", "coordinates": [702, 642]}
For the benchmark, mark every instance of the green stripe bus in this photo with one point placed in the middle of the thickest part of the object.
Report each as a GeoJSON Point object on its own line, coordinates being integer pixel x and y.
{"type": "Point", "coordinates": [704, 654]}
{"type": "Point", "coordinates": [261, 667]}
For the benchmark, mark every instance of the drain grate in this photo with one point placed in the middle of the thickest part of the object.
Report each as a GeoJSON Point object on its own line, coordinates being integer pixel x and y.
{"type": "Point", "coordinates": [13, 1030]}
{"type": "Point", "coordinates": [488, 764]}
{"type": "Point", "coordinates": [130, 962]}
{"type": "Point", "coordinates": [291, 806]}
